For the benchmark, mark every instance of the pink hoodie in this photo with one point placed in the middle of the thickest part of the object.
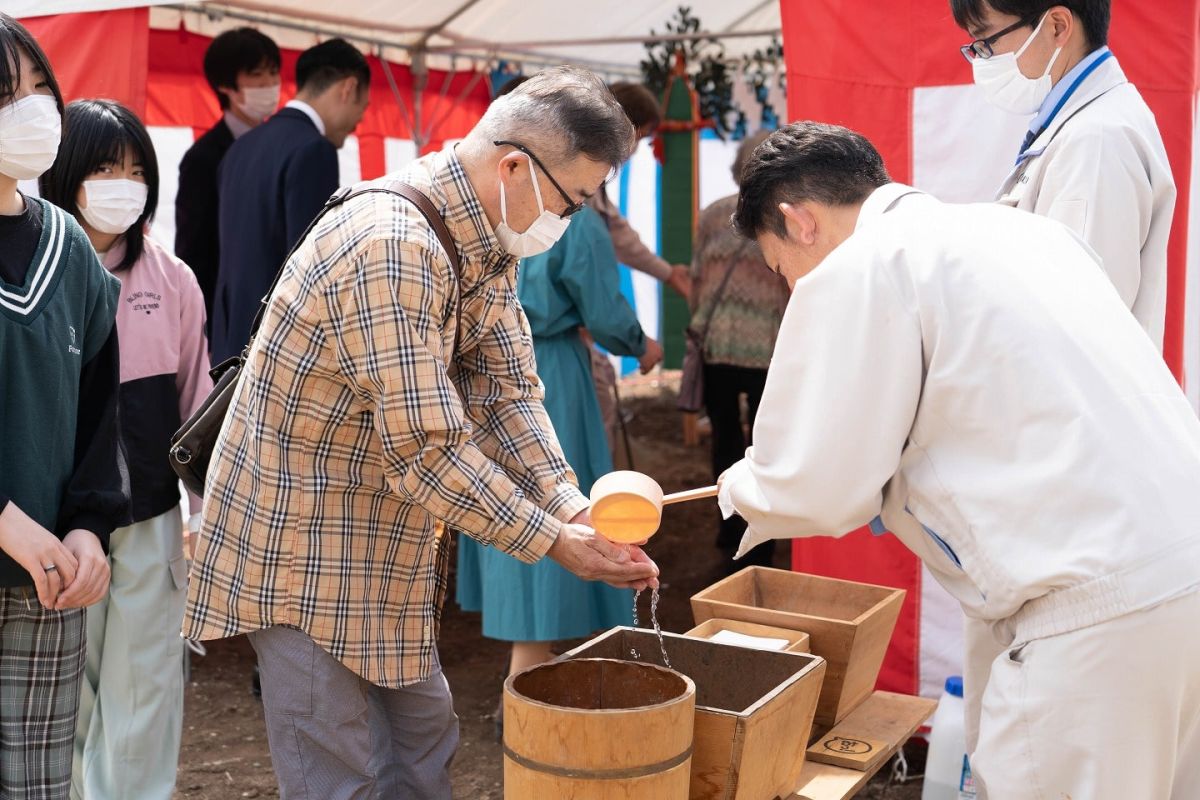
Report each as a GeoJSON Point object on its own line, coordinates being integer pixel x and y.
{"type": "Point", "coordinates": [160, 329]}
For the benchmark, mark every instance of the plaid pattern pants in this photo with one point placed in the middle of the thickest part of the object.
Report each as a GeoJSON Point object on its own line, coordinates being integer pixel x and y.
{"type": "Point", "coordinates": [41, 664]}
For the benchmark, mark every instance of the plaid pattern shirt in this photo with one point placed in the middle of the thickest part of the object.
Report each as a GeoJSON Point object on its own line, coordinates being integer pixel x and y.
{"type": "Point", "coordinates": [356, 427]}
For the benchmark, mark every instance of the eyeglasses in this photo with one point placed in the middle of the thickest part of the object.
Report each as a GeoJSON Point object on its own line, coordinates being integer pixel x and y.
{"type": "Point", "coordinates": [572, 205]}
{"type": "Point", "coordinates": [982, 48]}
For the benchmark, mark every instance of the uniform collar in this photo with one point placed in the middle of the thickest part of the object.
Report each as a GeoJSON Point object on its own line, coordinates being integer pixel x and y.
{"type": "Point", "coordinates": [881, 201]}
{"type": "Point", "coordinates": [453, 195]}
{"type": "Point", "coordinates": [113, 257]}
{"type": "Point", "coordinates": [464, 213]}
{"type": "Point", "coordinates": [1063, 86]}
{"type": "Point", "coordinates": [309, 112]}
{"type": "Point", "coordinates": [1107, 76]}
{"type": "Point", "coordinates": [235, 125]}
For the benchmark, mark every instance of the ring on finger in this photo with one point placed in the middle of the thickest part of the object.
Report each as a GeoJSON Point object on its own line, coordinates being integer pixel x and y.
{"type": "Point", "coordinates": [50, 568]}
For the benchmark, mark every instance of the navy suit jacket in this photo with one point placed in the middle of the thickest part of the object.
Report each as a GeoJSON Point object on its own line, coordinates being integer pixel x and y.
{"type": "Point", "coordinates": [196, 210]}
{"type": "Point", "coordinates": [273, 181]}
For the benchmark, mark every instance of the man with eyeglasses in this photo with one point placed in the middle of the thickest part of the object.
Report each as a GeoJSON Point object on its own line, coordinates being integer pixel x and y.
{"type": "Point", "coordinates": [391, 394]}
{"type": "Point", "coordinates": [1093, 158]}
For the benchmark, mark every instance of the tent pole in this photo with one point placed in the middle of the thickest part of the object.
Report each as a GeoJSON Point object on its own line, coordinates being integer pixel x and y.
{"type": "Point", "coordinates": [420, 73]}
{"type": "Point", "coordinates": [441, 26]}
{"type": "Point", "coordinates": [728, 29]}
{"type": "Point", "coordinates": [463, 41]}
{"type": "Point", "coordinates": [408, 117]}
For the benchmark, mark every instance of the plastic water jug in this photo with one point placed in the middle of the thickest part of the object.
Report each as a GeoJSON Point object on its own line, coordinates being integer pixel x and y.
{"type": "Point", "coordinates": [947, 771]}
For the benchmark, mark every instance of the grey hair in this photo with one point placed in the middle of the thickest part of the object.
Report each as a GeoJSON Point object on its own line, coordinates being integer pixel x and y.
{"type": "Point", "coordinates": [562, 113]}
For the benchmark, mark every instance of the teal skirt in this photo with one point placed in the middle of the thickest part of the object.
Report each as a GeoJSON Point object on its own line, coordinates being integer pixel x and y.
{"type": "Point", "coordinates": [543, 602]}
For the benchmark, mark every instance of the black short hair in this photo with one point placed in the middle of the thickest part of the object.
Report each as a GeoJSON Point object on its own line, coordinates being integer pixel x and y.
{"type": "Point", "coordinates": [1093, 15]}
{"type": "Point", "coordinates": [826, 164]}
{"type": "Point", "coordinates": [321, 66]}
{"type": "Point", "coordinates": [95, 133]}
{"type": "Point", "coordinates": [14, 38]}
{"type": "Point", "coordinates": [235, 51]}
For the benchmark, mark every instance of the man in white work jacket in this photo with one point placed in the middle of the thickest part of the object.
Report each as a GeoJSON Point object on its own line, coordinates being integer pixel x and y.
{"type": "Point", "coordinates": [966, 377]}
{"type": "Point", "coordinates": [1093, 158]}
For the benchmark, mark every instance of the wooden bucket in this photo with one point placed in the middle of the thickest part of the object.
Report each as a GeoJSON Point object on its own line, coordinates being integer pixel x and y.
{"type": "Point", "coordinates": [754, 709]}
{"type": "Point", "coordinates": [598, 729]}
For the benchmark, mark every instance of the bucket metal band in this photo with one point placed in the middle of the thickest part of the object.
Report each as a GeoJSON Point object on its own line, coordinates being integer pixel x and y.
{"type": "Point", "coordinates": [599, 774]}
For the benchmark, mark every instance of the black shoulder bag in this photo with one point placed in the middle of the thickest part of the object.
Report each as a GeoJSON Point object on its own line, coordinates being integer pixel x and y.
{"type": "Point", "coordinates": [691, 384]}
{"type": "Point", "coordinates": [192, 445]}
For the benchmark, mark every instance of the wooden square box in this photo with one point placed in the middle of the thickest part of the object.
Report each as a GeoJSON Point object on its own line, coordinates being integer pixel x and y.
{"type": "Point", "coordinates": [797, 641]}
{"type": "Point", "coordinates": [849, 624]}
{"type": "Point", "coordinates": [754, 709]}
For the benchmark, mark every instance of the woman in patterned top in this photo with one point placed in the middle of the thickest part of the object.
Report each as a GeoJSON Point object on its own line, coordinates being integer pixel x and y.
{"type": "Point", "coordinates": [742, 316]}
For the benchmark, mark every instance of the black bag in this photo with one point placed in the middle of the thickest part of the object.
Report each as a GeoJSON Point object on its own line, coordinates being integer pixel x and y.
{"type": "Point", "coordinates": [193, 444]}
{"type": "Point", "coordinates": [691, 384]}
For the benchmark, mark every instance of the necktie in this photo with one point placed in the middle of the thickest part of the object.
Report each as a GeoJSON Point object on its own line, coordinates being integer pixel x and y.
{"type": "Point", "coordinates": [1029, 139]}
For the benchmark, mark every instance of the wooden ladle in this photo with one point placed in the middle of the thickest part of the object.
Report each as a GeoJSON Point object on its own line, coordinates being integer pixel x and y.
{"type": "Point", "coordinates": [627, 506]}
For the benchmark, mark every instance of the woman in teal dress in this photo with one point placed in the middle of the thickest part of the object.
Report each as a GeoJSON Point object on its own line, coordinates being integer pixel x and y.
{"type": "Point", "coordinates": [574, 285]}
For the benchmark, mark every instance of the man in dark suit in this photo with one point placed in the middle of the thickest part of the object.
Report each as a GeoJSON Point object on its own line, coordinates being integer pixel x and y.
{"type": "Point", "coordinates": [275, 179]}
{"type": "Point", "coordinates": [242, 67]}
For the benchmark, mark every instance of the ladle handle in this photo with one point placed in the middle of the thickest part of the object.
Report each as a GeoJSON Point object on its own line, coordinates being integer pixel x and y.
{"type": "Point", "coordinates": [690, 494]}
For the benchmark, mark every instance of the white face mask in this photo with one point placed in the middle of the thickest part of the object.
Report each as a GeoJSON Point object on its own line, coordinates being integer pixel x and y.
{"type": "Point", "coordinates": [30, 130]}
{"type": "Point", "coordinates": [260, 101]}
{"type": "Point", "coordinates": [1005, 87]}
{"type": "Point", "coordinates": [540, 236]}
{"type": "Point", "coordinates": [113, 205]}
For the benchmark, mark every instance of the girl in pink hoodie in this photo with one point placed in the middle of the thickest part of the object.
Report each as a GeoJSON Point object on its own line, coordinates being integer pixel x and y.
{"type": "Point", "coordinates": [131, 710]}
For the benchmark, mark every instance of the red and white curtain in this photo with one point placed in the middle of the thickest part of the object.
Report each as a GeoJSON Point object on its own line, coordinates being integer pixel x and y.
{"type": "Point", "coordinates": [892, 71]}
{"type": "Point", "coordinates": [158, 73]}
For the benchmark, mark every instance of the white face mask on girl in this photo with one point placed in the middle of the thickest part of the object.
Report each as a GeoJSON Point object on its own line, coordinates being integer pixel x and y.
{"type": "Point", "coordinates": [540, 236]}
{"type": "Point", "coordinates": [259, 102]}
{"type": "Point", "coordinates": [30, 130]}
{"type": "Point", "coordinates": [113, 205]}
{"type": "Point", "coordinates": [1001, 80]}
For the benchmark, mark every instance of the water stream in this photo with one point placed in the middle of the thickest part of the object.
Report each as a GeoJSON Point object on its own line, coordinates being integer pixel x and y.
{"type": "Point", "coordinates": [654, 622]}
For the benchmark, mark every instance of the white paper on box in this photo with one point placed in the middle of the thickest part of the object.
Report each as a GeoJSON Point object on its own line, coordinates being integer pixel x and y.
{"type": "Point", "coordinates": [745, 640]}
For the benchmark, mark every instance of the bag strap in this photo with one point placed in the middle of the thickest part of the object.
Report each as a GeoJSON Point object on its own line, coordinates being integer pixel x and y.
{"type": "Point", "coordinates": [435, 220]}
{"type": "Point", "coordinates": [720, 293]}
{"type": "Point", "coordinates": [404, 190]}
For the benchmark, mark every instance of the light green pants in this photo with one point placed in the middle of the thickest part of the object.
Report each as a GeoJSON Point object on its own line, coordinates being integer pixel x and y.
{"type": "Point", "coordinates": [131, 704]}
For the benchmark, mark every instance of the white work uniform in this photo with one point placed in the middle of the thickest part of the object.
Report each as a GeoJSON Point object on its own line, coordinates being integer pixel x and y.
{"type": "Point", "coordinates": [966, 376]}
{"type": "Point", "coordinates": [1100, 168]}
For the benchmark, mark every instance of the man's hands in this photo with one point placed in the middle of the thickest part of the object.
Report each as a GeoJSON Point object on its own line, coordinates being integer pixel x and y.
{"type": "Point", "coordinates": [681, 280]}
{"type": "Point", "coordinates": [91, 580]}
{"type": "Point", "coordinates": [652, 356]}
{"type": "Point", "coordinates": [581, 551]}
{"type": "Point", "coordinates": [35, 548]}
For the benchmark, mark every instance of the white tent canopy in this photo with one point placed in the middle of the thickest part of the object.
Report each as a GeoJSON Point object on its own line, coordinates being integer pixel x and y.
{"type": "Point", "coordinates": [605, 36]}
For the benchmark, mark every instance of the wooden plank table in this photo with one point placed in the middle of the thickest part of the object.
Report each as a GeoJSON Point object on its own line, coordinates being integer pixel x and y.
{"type": "Point", "coordinates": [884, 717]}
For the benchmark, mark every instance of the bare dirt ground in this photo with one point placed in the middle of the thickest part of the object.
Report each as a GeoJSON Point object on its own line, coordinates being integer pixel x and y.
{"type": "Point", "coordinates": [225, 754]}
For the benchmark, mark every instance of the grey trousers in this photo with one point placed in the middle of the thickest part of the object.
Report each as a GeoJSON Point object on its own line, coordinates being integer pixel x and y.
{"type": "Point", "coordinates": [335, 736]}
{"type": "Point", "coordinates": [131, 699]}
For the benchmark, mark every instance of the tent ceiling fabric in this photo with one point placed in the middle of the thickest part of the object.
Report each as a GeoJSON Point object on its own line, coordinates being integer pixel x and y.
{"type": "Point", "coordinates": [536, 31]}
{"type": "Point", "coordinates": [44, 8]}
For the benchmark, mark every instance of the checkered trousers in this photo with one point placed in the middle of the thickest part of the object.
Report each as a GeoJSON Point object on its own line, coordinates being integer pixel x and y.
{"type": "Point", "coordinates": [357, 426]}
{"type": "Point", "coordinates": [41, 664]}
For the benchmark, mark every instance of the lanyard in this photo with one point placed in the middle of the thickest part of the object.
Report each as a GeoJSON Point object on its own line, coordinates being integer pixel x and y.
{"type": "Point", "coordinates": [1062, 101]}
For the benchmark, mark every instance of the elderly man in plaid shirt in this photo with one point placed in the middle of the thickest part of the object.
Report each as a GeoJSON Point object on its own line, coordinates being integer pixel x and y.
{"type": "Point", "coordinates": [359, 425]}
